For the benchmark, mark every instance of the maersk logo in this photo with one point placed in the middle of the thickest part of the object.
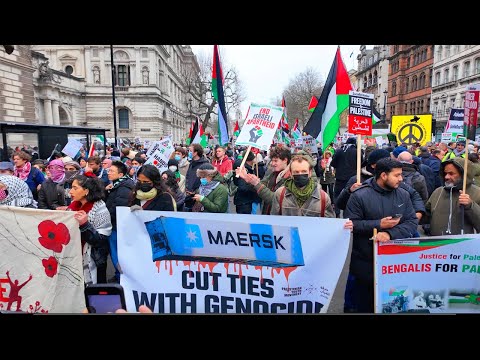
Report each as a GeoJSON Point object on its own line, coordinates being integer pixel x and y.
{"type": "Point", "coordinates": [193, 237]}
{"type": "Point", "coordinates": [246, 239]}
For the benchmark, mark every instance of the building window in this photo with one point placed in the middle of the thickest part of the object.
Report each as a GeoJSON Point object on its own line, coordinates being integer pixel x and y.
{"type": "Point", "coordinates": [406, 109]}
{"type": "Point", "coordinates": [466, 69]}
{"type": "Point", "coordinates": [421, 105]}
{"type": "Point", "coordinates": [455, 73]}
{"type": "Point", "coordinates": [123, 118]}
{"type": "Point", "coordinates": [370, 80]}
{"type": "Point", "coordinates": [412, 107]}
{"type": "Point", "coordinates": [144, 53]}
{"type": "Point", "coordinates": [375, 78]}
{"type": "Point", "coordinates": [437, 78]}
{"type": "Point", "coordinates": [95, 53]}
{"type": "Point", "coordinates": [365, 82]}
{"type": "Point", "coordinates": [414, 83]}
{"type": "Point", "coordinates": [408, 62]}
{"type": "Point", "coordinates": [477, 65]}
{"type": "Point", "coordinates": [394, 88]}
{"type": "Point", "coordinates": [439, 52]}
{"type": "Point", "coordinates": [96, 75]}
{"type": "Point", "coordinates": [407, 84]}
{"type": "Point", "coordinates": [446, 74]}
{"type": "Point", "coordinates": [447, 51]}
{"type": "Point", "coordinates": [392, 110]}
{"type": "Point", "coordinates": [424, 55]}
{"type": "Point", "coordinates": [422, 80]}
{"type": "Point", "coordinates": [430, 77]}
{"type": "Point", "coordinates": [122, 75]}
{"type": "Point", "coordinates": [69, 70]}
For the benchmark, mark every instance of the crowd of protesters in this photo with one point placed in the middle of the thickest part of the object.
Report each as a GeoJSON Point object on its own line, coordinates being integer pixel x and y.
{"type": "Point", "coordinates": [403, 192]}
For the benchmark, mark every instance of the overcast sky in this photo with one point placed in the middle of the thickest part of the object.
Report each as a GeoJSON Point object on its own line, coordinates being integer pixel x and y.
{"type": "Point", "coordinates": [266, 70]}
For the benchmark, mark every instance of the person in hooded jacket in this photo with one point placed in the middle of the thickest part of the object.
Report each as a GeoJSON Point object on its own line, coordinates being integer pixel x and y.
{"type": "Point", "coordinates": [443, 207]}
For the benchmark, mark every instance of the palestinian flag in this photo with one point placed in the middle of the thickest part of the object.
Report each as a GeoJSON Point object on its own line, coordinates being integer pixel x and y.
{"type": "Point", "coordinates": [296, 133]}
{"type": "Point", "coordinates": [376, 117]}
{"type": "Point", "coordinates": [236, 130]}
{"type": "Point", "coordinates": [324, 123]}
{"type": "Point", "coordinates": [283, 124]}
{"type": "Point", "coordinates": [313, 103]}
{"type": "Point", "coordinates": [189, 136]}
{"type": "Point", "coordinates": [198, 136]}
{"type": "Point", "coordinates": [217, 90]}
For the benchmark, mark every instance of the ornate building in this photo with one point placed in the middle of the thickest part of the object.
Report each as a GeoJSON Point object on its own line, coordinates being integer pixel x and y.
{"type": "Point", "coordinates": [372, 74]}
{"type": "Point", "coordinates": [73, 86]}
{"type": "Point", "coordinates": [410, 79]}
{"type": "Point", "coordinates": [454, 68]}
{"type": "Point", "coordinates": [16, 91]}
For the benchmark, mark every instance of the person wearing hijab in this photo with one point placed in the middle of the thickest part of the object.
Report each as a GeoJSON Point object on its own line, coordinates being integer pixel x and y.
{"type": "Point", "coordinates": [15, 192]}
{"type": "Point", "coordinates": [52, 192]}
{"type": "Point", "coordinates": [24, 171]}
{"type": "Point", "coordinates": [172, 183]}
{"type": "Point", "coordinates": [95, 225]}
{"type": "Point", "coordinates": [173, 167]}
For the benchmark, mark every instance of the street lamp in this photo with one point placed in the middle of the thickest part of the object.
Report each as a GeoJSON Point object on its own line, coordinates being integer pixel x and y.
{"type": "Point", "coordinates": [385, 105]}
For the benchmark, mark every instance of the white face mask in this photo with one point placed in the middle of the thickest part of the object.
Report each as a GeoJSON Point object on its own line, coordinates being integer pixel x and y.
{"type": "Point", "coordinates": [172, 168]}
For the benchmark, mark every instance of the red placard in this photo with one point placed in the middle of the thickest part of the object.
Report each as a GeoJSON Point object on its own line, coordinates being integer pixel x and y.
{"type": "Point", "coordinates": [359, 125]}
{"type": "Point", "coordinates": [471, 113]}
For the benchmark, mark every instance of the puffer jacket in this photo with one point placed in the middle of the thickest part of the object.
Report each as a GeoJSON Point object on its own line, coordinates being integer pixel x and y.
{"type": "Point", "coordinates": [311, 207]}
{"type": "Point", "coordinates": [367, 205]}
{"type": "Point", "coordinates": [443, 209]}
{"type": "Point", "coordinates": [51, 195]}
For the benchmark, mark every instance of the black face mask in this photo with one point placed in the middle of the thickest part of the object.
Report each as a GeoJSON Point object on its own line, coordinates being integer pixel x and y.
{"type": "Point", "coordinates": [301, 180]}
{"type": "Point", "coordinates": [70, 174]}
{"type": "Point", "coordinates": [145, 187]}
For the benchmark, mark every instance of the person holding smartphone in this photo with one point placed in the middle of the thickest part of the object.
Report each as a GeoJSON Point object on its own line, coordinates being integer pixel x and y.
{"type": "Point", "coordinates": [379, 203]}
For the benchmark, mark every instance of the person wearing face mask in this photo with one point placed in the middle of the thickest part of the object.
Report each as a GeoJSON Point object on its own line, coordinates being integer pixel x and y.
{"type": "Point", "coordinates": [171, 181]}
{"type": "Point", "coordinates": [192, 181]}
{"type": "Point", "coordinates": [137, 163]}
{"type": "Point", "coordinates": [212, 195]}
{"type": "Point", "coordinates": [150, 192]}
{"type": "Point", "coordinates": [180, 179]}
{"type": "Point", "coordinates": [301, 195]}
{"type": "Point", "coordinates": [443, 206]}
{"type": "Point", "coordinates": [180, 155]}
{"type": "Point", "coordinates": [52, 192]}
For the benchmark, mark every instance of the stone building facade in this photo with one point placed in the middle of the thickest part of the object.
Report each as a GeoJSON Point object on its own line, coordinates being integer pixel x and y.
{"type": "Point", "coordinates": [151, 100]}
{"type": "Point", "coordinates": [372, 74]}
{"type": "Point", "coordinates": [454, 68]}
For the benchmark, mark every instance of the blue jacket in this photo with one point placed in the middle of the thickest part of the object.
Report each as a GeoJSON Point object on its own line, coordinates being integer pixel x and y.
{"type": "Point", "coordinates": [35, 178]}
{"type": "Point", "coordinates": [367, 205]}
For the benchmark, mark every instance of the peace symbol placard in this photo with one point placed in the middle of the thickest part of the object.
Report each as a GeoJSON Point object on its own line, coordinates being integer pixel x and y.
{"type": "Point", "coordinates": [411, 129]}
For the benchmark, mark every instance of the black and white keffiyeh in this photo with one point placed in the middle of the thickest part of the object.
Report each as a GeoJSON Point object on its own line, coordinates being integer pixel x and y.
{"type": "Point", "coordinates": [19, 193]}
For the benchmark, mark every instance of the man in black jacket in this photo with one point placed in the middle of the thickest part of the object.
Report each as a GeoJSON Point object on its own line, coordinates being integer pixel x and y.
{"type": "Point", "coordinates": [118, 194]}
{"type": "Point", "coordinates": [345, 164]}
{"type": "Point", "coordinates": [380, 204]}
{"type": "Point", "coordinates": [246, 194]}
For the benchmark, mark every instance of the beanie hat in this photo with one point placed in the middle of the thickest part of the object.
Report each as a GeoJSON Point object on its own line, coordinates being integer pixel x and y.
{"type": "Point", "coordinates": [173, 162]}
{"type": "Point", "coordinates": [376, 155]}
{"type": "Point", "coordinates": [398, 150]}
{"type": "Point", "coordinates": [205, 170]}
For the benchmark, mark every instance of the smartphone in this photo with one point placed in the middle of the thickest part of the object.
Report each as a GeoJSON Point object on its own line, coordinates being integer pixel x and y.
{"type": "Point", "coordinates": [104, 298]}
{"type": "Point", "coordinates": [397, 216]}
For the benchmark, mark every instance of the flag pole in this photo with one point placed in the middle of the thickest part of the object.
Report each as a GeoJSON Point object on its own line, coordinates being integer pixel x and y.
{"type": "Point", "coordinates": [462, 207]}
{"type": "Point", "coordinates": [359, 157]}
{"type": "Point", "coordinates": [242, 165]}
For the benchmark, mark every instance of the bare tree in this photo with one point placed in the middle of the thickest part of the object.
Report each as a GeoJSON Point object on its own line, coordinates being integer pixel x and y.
{"type": "Point", "coordinates": [199, 88]}
{"type": "Point", "coordinates": [298, 94]}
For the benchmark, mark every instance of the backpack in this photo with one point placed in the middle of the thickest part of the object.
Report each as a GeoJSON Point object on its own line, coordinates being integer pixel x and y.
{"type": "Point", "coordinates": [322, 201]}
{"type": "Point", "coordinates": [231, 187]}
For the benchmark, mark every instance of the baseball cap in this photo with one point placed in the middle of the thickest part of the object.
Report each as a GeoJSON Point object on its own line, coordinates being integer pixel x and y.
{"type": "Point", "coordinates": [6, 165]}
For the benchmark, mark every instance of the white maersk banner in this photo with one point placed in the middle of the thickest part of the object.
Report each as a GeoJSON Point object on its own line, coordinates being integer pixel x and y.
{"type": "Point", "coordinates": [438, 274]}
{"type": "Point", "coordinates": [199, 285]}
{"type": "Point", "coordinates": [260, 125]}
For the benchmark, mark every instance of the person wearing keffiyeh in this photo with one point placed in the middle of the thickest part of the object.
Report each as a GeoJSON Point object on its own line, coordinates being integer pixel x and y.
{"type": "Point", "coordinates": [24, 171]}
{"type": "Point", "coordinates": [94, 220]}
{"type": "Point", "coordinates": [52, 192]}
{"type": "Point", "coordinates": [15, 192]}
